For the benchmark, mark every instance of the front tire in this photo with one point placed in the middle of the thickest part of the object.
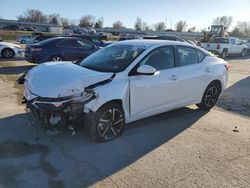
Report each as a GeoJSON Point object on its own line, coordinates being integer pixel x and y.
{"type": "Point", "coordinates": [107, 123]}
{"type": "Point", "coordinates": [210, 96]}
{"type": "Point", "coordinates": [7, 53]}
{"type": "Point", "coordinates": [223, 55]}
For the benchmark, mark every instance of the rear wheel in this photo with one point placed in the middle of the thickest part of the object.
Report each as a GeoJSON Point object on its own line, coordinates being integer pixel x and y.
{"type": "Point", "coordinates": [243, 53]}
{"type": "Point", "coordinates": [108, 123]}
{"type": "Point", "coordinates": [56, 58]}
{"type": "Point", "coordinates": [7, 53]}
{"type": "Point", "coordinates": [210, 96]}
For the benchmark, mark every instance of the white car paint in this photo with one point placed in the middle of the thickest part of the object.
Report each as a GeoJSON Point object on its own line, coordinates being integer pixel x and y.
{"type": "Point", "coordinates": [141, 95]}
{"type": "Point", "coordinates": [16, 48]}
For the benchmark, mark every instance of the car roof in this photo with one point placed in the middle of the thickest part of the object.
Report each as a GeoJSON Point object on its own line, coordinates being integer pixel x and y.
{"type": "Point", "coordinates": [149, 42]}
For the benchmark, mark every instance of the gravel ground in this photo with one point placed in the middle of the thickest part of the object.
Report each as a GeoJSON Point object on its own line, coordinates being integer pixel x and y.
{"type": "Point", "coordinates": [182, 148]}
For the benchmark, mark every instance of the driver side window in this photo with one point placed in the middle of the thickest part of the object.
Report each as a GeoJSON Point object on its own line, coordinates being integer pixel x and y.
{"type": "Point", "coordinates": [161, 58]}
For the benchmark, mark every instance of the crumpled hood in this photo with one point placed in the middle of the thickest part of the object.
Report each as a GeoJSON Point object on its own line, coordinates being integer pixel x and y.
{"type": "Point", "coordinates": [61, 79]}
{"type": "Point", "coordinates": [10, 45]}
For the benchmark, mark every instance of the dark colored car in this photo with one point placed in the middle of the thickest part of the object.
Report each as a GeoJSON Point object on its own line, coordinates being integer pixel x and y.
{"type": "Point", "coordinates": [11, 28]}
{"type": "Point", "coordinates": [59, 49]}
{"type": "Point", "coordinates": [93, 39]}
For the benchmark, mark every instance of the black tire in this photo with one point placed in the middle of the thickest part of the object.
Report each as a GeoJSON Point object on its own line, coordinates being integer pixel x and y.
{"type": "Point", "coordinates": [223, 55]}
{"type": "Point", "coordinates": [107, 123]}
{"type": "Point", "coordinates": [23, 41]}
{"type": "Point", "coordinates": [243, 53]}
{"type": "Point", "coordinates": [7, 53]}
{"type": "Point", "coordinates": [56, 58]}
{"type": "Point", "coordinates": [210, 96]}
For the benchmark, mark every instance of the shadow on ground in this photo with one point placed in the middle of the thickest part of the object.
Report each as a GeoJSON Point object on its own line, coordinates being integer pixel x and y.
{"type": "Point", "coordinates": [75, 161]}
{"type": "Point", "coordinates": [15, 69]}
{"type": "Point", "coordinates": [237, 98]}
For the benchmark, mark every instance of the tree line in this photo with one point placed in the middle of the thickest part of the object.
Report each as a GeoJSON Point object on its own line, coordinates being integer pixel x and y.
{"type": "Point", "coordinates": [36, 16]}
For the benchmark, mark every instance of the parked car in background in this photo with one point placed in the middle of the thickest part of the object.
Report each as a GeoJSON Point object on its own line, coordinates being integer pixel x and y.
{"type": "Point", "coordinates": [12, 28]}
{"type": "Point", "coordinates": [39, 38]}
{"type": "Point", "coordinates": [93, 39]}
{"type": "Point", "coordinates": [25, 39]}
{"type": "Point", "coordinates": [9, 50]}
{"type": "Point", "coordinates": [122, 83]}
{"type": "Point", "coordinates": [128, 37]}
{"type": "Point", "coordinates": [104, 35]}
{"type": "Point", "coordinates": [226, 46]}
{"type": "Point", "coordinates": [59, 49]}
{"type": "Point", "coordinates": [248, 46]}
{"type": "Point", "coordinates": [1, 39]}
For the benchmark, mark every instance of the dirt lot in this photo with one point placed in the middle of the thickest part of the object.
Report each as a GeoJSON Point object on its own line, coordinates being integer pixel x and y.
{"type": "Point", "coordinates": [182, 148]}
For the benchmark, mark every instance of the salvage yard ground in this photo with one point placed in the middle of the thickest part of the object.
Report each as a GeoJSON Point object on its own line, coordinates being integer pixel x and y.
{"type": "Point", "coordinates": [182, 148]}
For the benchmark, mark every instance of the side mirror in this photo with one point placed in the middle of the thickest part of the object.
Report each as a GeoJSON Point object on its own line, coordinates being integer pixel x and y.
{"type": "Point", "coordinates": [146, 70]}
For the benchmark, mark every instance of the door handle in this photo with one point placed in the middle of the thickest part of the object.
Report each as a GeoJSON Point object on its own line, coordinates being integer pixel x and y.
{"type": "Point", "coordinates": [207, 70]}
{"type": "Point", "coordinates": [173, 77]}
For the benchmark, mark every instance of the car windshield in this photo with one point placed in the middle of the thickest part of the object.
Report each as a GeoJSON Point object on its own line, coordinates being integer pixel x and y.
{"type": "Point", "coordinates": [113, 58]}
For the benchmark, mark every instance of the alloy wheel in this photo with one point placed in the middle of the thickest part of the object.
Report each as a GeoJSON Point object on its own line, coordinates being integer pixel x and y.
{"type": "Point", "coordinates": [110, 124]}
{"type": "Point", "coordinates": [56, 59]}
{"type": "Point", "coordinates": [8, 53]}
{"type": "Point", "coordinates": [211, 96]}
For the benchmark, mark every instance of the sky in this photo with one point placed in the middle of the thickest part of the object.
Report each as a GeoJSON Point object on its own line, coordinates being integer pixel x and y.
{"type": "Point", "coordinates": [194, 12]}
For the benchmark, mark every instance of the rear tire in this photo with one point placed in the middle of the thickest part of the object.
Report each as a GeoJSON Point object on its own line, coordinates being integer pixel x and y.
{"type": "Point", "coordinates": [56, 58]}
{"type": "Point", "coordinates": [243, 53]}
{"type": "Point", "coordinates": [107, 123]}
{"type": "Point", "coordinates": [7, 53]}
{"type": "Point", "coordinates": [210, 96]}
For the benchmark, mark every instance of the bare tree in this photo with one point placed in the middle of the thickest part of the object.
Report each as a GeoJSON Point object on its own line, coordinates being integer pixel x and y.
{"type": "Point", "coordinates": [99, 23]}
{"type": "Point", "coordinates": [181, 26]}
{"type": "Point", "coordinates": [243, 28]}
{"type": "Point", "coordinates": [138, 24]}
{"type": "Point", "coordinates": [65, 23]}
{"type": "Point", "coordinates": [117, 25]}
{"type": "Point", "coordinates": [87, 21]}
{"type": "Point", "coordinates": [53, 19]}
{"type": "Point", "coordinates": [161, 26]}
{"type": "Point", "coordinates": [223, 20]}
{"type": "Point", "coordinates": [145, 26]}
{"type": "Point", "coordinates": [32, 15]}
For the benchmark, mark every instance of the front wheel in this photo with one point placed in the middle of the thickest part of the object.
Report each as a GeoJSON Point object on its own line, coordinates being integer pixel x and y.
{"type": "Point", "coordinates": [223, 55]}
{"type": "Point", "coordinates": [108, 123]}
{"type": "Point", "coordinates": [8, 53]}
{"type": "Point", "coordinates": [210, 96]}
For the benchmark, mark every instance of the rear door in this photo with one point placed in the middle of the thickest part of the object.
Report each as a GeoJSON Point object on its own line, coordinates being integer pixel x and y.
{"type": "Point", "coordinates": [191, 74]}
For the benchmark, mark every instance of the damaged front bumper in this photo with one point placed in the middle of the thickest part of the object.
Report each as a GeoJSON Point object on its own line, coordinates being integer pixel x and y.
{"type": "Point", "coordinates": [57, 113]}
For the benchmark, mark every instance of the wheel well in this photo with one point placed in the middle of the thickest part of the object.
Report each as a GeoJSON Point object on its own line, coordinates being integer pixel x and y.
{"type": "Point", "coordinates": [218, 83]}
{"type": "Point", "coordinates": [8, 49]}
{"type": "Point", "coordinates": [115, 101]}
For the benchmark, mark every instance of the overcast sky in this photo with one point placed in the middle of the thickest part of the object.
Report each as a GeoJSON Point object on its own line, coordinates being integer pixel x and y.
{"type": "Point", "coordinates": [199, 13]}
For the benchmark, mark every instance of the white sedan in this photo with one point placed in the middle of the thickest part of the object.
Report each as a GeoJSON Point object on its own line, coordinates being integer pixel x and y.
{"type": "Point", "coordinates": [9, 50]}
{"type": "Point", "coordinates": [122, 83]}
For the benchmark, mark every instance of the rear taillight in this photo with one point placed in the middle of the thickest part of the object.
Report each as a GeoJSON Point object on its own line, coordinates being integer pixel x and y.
{"type": "Point", "coordinates": [36, 49]}
{"type": "Point", "coordinates": [218, 46]}
{"type": "Point", "coordinates": [227, 66]}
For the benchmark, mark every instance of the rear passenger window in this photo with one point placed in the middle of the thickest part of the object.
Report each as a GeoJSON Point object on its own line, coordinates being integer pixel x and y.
{"type": "Point", "coordinates": [186, 56]}
{"type": "Point", "coordinates": [200, 55]}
